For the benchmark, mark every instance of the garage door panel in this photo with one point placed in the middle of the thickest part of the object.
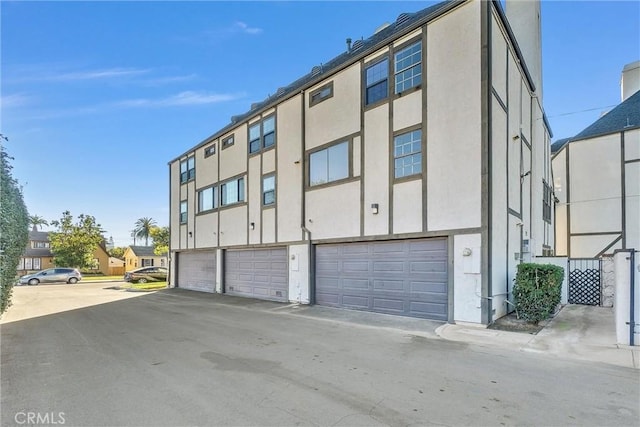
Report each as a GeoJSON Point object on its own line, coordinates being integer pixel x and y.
{"type": "Point", "coordinates": [407, 277]}
{"type": "Point", "coordinates": [257, 273]}
{"type": "Point", "coordinates": [197, 271]}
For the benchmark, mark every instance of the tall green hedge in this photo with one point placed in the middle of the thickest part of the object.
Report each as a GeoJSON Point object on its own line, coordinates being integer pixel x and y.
{"type": "Point", "coordinates": [537, 290]}
{"type": "Point", "coordinates": [14, 229]}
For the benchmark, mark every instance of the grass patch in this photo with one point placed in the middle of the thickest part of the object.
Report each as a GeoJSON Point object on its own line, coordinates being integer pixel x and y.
{"type": "Point", "coordinates": [87, 278]}
{"type": "Point", "coordinates": [149, 286]}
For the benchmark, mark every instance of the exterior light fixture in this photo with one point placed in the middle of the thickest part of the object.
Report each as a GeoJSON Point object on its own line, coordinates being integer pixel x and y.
{"type": "Point", "coordinates": [191, 234]}
{"type": "Point", "coordinates": [252, 225]}
{"type": "Point", "coordinates": [374, 208]}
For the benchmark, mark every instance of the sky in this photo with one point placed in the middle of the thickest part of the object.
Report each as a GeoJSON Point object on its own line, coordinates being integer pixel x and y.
{"type": "Point", "coordinates": [97, 97]}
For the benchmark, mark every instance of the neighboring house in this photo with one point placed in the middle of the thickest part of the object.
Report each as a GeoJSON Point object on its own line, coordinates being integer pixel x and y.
{"type": "Point", "coordinates": [143, 256]}
{"type": "Point", "coordinates": [38, 255]}
{"type": "Point", "coordinates": [409, 175]}
{"type": "Point", "coordinates": [116, 266]}
{"type": "Point", "coordinates": [597, 180]}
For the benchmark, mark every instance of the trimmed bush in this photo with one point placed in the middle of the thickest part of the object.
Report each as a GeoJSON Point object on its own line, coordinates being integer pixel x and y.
{"type": "Point", "coordinates": [537, 290]}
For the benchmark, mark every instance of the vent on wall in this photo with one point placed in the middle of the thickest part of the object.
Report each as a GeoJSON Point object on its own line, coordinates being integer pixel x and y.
{"type": "Point", "coordinates": [402, 18]}
{"type": "Point", "coordinates": [281, 90]}
{"type": "Point", "coordinates": [316, 70]}
{"type": "Point", "coordinates": [357, 44]}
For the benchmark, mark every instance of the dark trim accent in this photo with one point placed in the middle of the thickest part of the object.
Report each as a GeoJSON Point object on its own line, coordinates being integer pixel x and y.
{"type": "Point", "coordinates": [303, 165]}
{"type": "Point", "coordinates": [319, 90]}
{"type": "Point", "coordinates": [392, 167]}
{"type": "Point", "coordinates": [486, 314]}
{"type": "Point", "coordinates": [224, 144]}
{"type": "Point", "coordinates": [393, 50]}
{"type": "Point", "coordinates": [362, 149]}
{"type": "Point", "coordinates": [399, 236]}
{"type": "Point", "coordinates": [312, 272]}
{"type": "Point", "coordinates": [514, 213]}
{"type": "Point", "coordinates": [375, 61]}
{"type": "Point", "coordinates": [522, 137]}
{"type": "Point", "coordinates": [623, 192]}
{"type": "Point", "coordinates": [170, 255]}
{"type": "Point", "coordinates": [425, 147]}
{"type": "Point", "coordinates": [333, 183]}
{"type": "Point", "coordinates": [307, 172]}
{"type": "Point", "coordinates": [390, 159]}
{"type": "Point", "coordinates": [632, 161]}
{"type": "Point", "coordinates": [568, 199]}
{"type": "Point", "coordinates": [609, 246]}
{"type": "Point", "coordinates": [210, 148]}
{"type": "Point", "coordinates": [497, 96]}
{"type": "Point", "coordinates": [599, 233]}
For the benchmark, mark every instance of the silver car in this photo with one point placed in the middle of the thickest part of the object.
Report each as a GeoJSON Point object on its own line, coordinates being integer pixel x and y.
{"type": "Point", "coordinates": [52, 275]}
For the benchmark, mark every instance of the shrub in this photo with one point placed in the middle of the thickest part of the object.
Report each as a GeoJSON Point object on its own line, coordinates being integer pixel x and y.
{"type": "Point", "coordinates": [537, 290]}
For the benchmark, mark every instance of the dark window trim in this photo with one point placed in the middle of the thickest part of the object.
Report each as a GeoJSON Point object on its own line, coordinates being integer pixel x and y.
{"type": "Point", "coordinates": [225, 141]}
{"type": "Point", "coordinates": [318, 91]}
{"type": "Point", "coordinates": [244, 190]}
{"type": "Point", "coordinates": [367, 65]}
{"type": "Point", "coordinates": [393, 155]}
{"type": "Point", "coordinates": [275, 193]}
{"type": "Point", "coordinates": [215, 202]}
{"type": "Point", "coordinates": [398, 48]}
{"type": "Point", "coordinates": [210, 150]}
{"type": "Point", "coordinates": [185, 213]}
{"type": "Point", "coordinates": [349, 140]}
{"type": "Point", "coordinates": [190, 173]}
{"type": "Point", "coordinates": [260, 123]}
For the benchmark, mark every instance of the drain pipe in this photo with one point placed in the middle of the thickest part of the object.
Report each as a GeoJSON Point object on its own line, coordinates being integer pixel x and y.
{"type": "Point", "coordinates": [632, 297]}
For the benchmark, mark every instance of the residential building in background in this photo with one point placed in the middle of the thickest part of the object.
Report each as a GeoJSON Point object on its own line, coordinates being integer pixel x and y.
{"type": "Point", "coordinates": [142, 256]}
{"type": "Point", "coordinates": [409, 175]}
{"type": "Point", "coordinates": [597, 179]}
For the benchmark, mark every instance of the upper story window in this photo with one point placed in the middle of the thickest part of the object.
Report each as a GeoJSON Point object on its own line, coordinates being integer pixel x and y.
{"type": "Point", "coordinates": [377, 77]}
{"type": "Point", "coordinates": [408, 67]}
{"type": "Point", "coordinates": [187, 169]}
{"type": "Point", "coordinates": [330, 164]}
{"type": "Point", "coordinates": [227, 142]}
{"type": "Point", "coordinates": [208, 199]}
{"type": "Point", "coordinates": [39, 245]}
{"type": "Point", "coordinates": [321, 94]}
{"type": "Point", "coordinates": [183, 212]}
{"type": "Point", "coordinates": [262, 134]}
{"type": "Point", "coordinates": [269, 190]}
{"type": "Point", "coordinates": [210, 150]}
{"type": "Point", "coordinates": [407, 153]}
{"type": "Point", "coordinates": [232, 192]}
{"type": "Point", "coordinates": [546, 201]}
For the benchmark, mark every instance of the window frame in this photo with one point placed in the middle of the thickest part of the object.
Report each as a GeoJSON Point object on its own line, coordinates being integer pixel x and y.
{"type": "Point", "coordinates": [326, 147]}
{"type": "Point", "coordinates": [240, 191]}
{"type": "Point", "coordinates": [261, 138]}
{"type": "Point", "coordinates": [215, 198]}
{"type": "Point", "coordinates": [318, 92]}
{"type": "Point", "coordinates": [367, 86]}
{"type": "Point", "coordinates": [210, 150]}
{"type": "Point", "coordinates": [396, 51]}
{"type": "Point", "coordinates": [227, 142]}
{"type": "Point", "coordinates": [263, 192]}
{"type": "Point", "coordinates": [184, 213]}
{"type": "Point", "coordinates": [189, 173]}
{"type": "Point", "coordinates": [547, 205]}
{"type": "Point", "coordinates": [402, 132]}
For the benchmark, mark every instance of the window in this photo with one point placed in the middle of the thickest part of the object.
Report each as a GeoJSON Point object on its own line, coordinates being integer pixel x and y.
{"type": "Point", "coordinates": [183, 212]}
{"type": "Point", "coordinates": [28, 263]}
{"type": "Point", "coordinates": [546, 201]}
{"type": "Point", "coordinates": [39, 245]}
{"type": "Point", "coordinates": [330, 164]}
{"type": "Point", "coordinates": [320, 94]}
{"type": "Point", "coordinates": [232, 192]}
{"type": "Point", "coordinates": [95, 264]}
{"type": "Point", "coordinates": [36, 264]}
{"type": "Point", "coordinates": [207, 199]}
{"type": "Point", "coordinates": [187, 169]}
{"type": "Point", "coordinates": [377, 76]}
{"type": "Point", "coordinates": [269, 190]}
{"type": "Point", "coordinates": [210, 150]}
{"type": "Point", "coordinates": [407, 153]}
{"type": "Point", "coordinates": [146, 262]}
{"type": "Point", "coordinates": [162, 262]}
{"type": "Point", "coordinates": [408, 67]}
{"type": "Point", "coordinates": [227, 142]}
{"type": "Point", "coordinates": [262, 134]}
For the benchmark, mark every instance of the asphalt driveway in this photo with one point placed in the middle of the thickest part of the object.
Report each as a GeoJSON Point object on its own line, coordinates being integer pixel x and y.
{"type": "Point", "coordinates": [176, 357]}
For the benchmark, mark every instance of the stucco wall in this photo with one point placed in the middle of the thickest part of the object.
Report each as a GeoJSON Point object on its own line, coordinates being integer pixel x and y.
{"type": "Point", "coordinates": [467, 278]}
{"type": "Point", "coordinates": [376, 169]}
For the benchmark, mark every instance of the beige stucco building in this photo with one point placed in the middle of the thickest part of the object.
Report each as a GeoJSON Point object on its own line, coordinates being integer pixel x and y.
{"type": "Point", "coordinates": [597, 179]}
{"type": "Point", "coordinates": [409, 175]}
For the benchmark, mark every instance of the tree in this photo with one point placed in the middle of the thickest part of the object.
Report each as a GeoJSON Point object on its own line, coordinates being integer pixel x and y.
{"type": "Point", "coordinates": [143, 228]}
{"type": "Point", "coordinates": [37, 221]}
{"type": "Point", "coordinates": [73, 244]}
{"type": "Point", "coordinates": [117, 252]}
{"type": "Point", "coordinates": [160, 236]}
{"type": "Point", "coordinates": [14, 228]}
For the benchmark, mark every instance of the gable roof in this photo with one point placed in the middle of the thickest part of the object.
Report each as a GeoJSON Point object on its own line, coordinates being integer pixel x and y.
{"type": "Point", "coordinates": [143, 251]}
{"type": "Point", "coordinates": [404, 24]}
{"type": "Point", "coordinates": [559, 145]}
{"type": "Point", "coordinates": [623, 117]}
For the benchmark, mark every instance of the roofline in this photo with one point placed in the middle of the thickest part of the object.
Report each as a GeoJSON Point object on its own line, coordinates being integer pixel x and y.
{"type": "Point", "coordinates": [445, 8]}
{"type": "Point", "coordinates": [597, 135]}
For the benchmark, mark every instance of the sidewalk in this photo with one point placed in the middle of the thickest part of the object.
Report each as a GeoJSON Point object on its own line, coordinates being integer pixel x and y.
{"type": "Point", "coordinates": [576, 332]}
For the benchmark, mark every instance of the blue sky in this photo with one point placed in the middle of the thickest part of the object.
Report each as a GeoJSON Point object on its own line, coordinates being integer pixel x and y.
{"type": "Point", "coordinates": [97, 97]}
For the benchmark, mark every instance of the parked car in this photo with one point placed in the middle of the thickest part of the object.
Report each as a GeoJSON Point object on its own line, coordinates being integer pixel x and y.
{"type": "Point", "coordinates": [146, 274]}
{"type": "Point", "coordinates": [52, 275]}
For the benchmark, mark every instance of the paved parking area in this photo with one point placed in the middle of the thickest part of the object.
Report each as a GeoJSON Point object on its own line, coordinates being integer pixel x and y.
{"type": "Point", "coordinates": [176, 357]}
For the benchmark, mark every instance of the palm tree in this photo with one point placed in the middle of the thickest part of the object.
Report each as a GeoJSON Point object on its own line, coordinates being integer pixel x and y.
{"type": "Point", "coordinates": [143, 228]}
{"type": "Point", "coordinates": [37, 221]}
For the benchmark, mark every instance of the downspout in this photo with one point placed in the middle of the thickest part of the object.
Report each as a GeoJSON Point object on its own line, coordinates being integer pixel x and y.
{"type": "Point", "coordinates": [632, 296]}
{"type": "Point", "coordinates": [311, 267]}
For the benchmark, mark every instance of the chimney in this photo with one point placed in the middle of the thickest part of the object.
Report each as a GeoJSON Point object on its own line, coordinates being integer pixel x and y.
{"type": "Point", "coordinates": [630, 80]}
{"type": "Point", "coordinates": [524, 19]}
{"type": "Point", "coordinates": [349, 44]}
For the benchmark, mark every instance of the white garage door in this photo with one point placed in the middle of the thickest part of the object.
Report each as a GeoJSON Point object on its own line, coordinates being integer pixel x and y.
{"type": "Point", "coordinates": [257, 273]}
{"type": "Point", "coordinates": [197, 271]}
{"type": "Point", "coordinates": [403, 277]}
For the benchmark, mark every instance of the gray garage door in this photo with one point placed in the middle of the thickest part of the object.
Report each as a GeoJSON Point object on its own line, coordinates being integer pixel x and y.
{"type": "Point", "coordinates": [257, 273]}
{"type": "Point", "coordinates": [197, 271]}
{"type": "Point", "coordinates": [402, 277]}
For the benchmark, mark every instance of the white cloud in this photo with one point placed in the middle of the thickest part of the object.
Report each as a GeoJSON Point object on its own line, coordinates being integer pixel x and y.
{"type": "Point", "coordinates": [186, 98]}
{"type": "Point", "coordinates": [65, 76]}
{"type": "Point", "coordinates": [243, 27]}
{"type": "Point", "coordinates": [15, 100]}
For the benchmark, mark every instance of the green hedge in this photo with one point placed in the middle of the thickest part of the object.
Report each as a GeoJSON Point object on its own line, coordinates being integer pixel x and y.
{"type": "Point", "coordinates": [537, 290]}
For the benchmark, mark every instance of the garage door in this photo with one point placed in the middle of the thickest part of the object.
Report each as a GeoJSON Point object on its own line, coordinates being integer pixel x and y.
{"type": "Point", "coordinates": [402, 277]}
{"type": "Point", "coordinates": [257, 273]}
{"type": "Point", "coordinates": [197, 271]}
